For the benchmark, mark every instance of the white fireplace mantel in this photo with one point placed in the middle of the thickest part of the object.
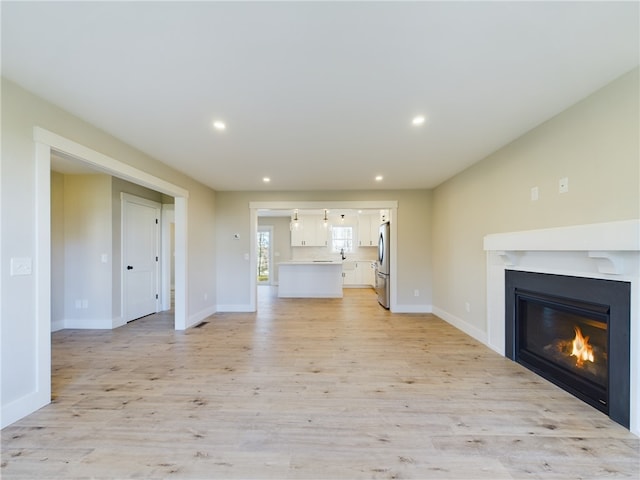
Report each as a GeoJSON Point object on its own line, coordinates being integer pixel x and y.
{"type": "Point", "coordinates": [601, 250]}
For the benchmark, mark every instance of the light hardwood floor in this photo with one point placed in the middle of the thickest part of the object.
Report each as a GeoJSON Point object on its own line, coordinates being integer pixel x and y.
{"type": "Point", "coordinates": [326, 389]}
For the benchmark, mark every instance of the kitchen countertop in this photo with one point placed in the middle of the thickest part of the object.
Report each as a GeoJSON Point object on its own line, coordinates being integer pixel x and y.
{"type": "Point", "coordinates": [311, 262]}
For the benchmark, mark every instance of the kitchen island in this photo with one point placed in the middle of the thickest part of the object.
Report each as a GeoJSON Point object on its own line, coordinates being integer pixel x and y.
{"type": "Point", "coordinates": [310, 279]}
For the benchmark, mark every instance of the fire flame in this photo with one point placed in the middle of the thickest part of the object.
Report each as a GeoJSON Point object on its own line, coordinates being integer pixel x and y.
{"type": "Point", "coordinates": [581, 348]}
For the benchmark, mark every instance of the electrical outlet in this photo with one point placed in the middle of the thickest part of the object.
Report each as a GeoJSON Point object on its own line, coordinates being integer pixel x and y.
{"type": "Point", "coordinates": [416, 293]}
{"type": "Point", "coordinates": [467, 306]}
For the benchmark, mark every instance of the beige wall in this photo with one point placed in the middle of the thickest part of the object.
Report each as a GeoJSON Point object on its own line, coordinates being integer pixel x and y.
{"type": "Point", "coordinates": [87, 235]}
{"type": "Point", "coordinates": [414, 239]}
{"type": "Point", "coordinates": [595, 144]}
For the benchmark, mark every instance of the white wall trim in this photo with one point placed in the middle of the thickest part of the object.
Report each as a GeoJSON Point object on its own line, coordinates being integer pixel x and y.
{"type": "Point", "coordinates": [240, 308]}
{"type": "Point", "coordinates": [89, 323]}
{"type": "Point", "coordinates": [21, 407]}
{"type": "Point", "coordinates": [413, 308]}
{"type": "Point", "coordinates": [181, 259]}
{"type": "Point", "coordinates": [611, 236]}
{"type": "Point", "coordinates": [117, 322]}
{"type": "Point", "coordinates": [460, 324]}
{"type": "Point", "coordinates": [41, 395]}
{"type": "Point", "coordinates": [107, 164]}
{"type": "Point", "coordinates": [57, 325]}
{"type": "Point", "coordinates": [331, 205]}
{"type": "Point", "coordinates": [200, 316]}
{"type": "Point", "coordinates": [168, 217]}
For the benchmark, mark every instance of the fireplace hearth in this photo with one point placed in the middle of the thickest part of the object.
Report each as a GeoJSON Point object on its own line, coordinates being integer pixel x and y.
{"type": "Point", "coordinates": [575, 332]}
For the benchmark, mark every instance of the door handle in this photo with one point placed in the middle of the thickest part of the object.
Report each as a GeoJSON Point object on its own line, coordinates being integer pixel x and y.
{"type": "Point", "coordinates": [129, 267]}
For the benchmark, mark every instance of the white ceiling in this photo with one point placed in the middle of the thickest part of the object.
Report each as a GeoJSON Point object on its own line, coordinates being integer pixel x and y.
{"type": "Point", "coordinates": [317, 96]}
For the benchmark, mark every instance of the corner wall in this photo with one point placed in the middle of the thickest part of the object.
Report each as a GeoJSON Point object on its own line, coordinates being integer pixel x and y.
{"type": "Point", "coordinates": [595, 144]}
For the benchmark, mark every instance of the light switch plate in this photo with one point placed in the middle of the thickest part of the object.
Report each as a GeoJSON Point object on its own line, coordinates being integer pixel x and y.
{"type": "Point", "coordinates": [21, 266]}
{"type": "Point", "coordinates": [563, 185]}
{"type": "Point", "coordinates": [534, 194]}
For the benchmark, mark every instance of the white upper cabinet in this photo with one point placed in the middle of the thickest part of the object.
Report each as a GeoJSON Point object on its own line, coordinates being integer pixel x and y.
{"type": "Point", "coordinates": [310, 232]}
{"type": "Point", "coordinates": [368, 228]}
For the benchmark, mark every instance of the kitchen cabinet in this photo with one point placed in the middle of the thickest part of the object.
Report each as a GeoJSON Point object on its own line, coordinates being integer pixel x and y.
{"type": "Point", "coordinates": [349, 273]}
{"type": "Point", "coordinates": [310, 232]}
{"type": "Point", "coordinates": [358, 273]}
{"type": "Point", "coordinates": [368, 228]}
{"type": "Point", "coordinates": [368, 273]}
{"type": "Point", "coordinates": [311, 279]}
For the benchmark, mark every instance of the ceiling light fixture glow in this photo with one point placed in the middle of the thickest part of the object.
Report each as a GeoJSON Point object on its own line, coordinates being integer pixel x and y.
{"type": "Point", "coordinates": [379, 178]}
{"type": "Point", "coordinates": [218, 125]}
{"type": "Point", "coordinates": [266, 179]}
{"type": "Point", "coordinates": [419, 120]}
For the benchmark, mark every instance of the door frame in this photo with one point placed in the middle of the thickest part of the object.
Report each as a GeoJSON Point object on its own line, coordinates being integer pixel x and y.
{"type": "Point", "coordinates": [168, 219]}
{"type": "Point", "coordinates": [254, 207]}
{"type": "Point", "coordinates": [45, 142]}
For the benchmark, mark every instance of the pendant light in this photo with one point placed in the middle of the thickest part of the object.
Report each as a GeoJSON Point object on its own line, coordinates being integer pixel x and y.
{"type": "Point", "coordinates": [295, 223]}
{"type": "Point", "coordinates": [325, 220]}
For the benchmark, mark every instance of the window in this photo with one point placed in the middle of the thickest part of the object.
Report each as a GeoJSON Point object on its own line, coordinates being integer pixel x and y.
{"type": "Point", "coordinates": [342, 238]}
{"type": "Point", "coordinates": [264, 240]}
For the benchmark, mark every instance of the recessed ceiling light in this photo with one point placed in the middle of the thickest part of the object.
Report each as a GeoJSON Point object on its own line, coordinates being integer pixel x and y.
{"type": "Point", "coordinates": [419, 120]}
{"type": "Point", "coordinates": [266, 179]}
{"type": "Point", "coordinates": [218, 125]}
{"type": "Point", "coordinates": [379, 178]}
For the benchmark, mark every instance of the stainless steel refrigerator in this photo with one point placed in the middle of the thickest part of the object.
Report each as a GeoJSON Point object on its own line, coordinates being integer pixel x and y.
{"type": "Point", "coordinates": [383, 270]}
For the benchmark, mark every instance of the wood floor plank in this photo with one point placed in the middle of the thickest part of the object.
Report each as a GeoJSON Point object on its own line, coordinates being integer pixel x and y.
{"type": "Point", "coordinates": [306, 389]}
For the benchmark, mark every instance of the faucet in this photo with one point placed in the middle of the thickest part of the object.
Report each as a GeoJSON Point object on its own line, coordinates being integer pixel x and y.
{"type": "Point", "coordinates": [342, 254]}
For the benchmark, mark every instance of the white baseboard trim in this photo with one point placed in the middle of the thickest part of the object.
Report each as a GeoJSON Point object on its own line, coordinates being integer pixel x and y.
{"type": "Point", "coordinates": [57, 325]}
{"type": "Point", "coordinates": [89, 323]}
{"type": "Point", "coordinates": [235, 308]}
{"type": "Point", "coordinates": [117, 322]}
{"type": "Point", "coordinates": [412, 309]}
{"type": "Point", "coordinates": [460, 324]}
{"type": "Point", "coordinates": [23, 406]}
{"type": "Point", "coordinates": [201, 315]}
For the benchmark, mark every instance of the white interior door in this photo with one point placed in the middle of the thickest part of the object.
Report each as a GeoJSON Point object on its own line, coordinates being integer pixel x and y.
{"type": "Point", "coordinates": [140, 256]}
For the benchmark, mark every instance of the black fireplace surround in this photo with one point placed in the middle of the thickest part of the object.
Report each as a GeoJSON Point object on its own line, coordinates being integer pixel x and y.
{"type": "Point", "coordinates": [550, 317]}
